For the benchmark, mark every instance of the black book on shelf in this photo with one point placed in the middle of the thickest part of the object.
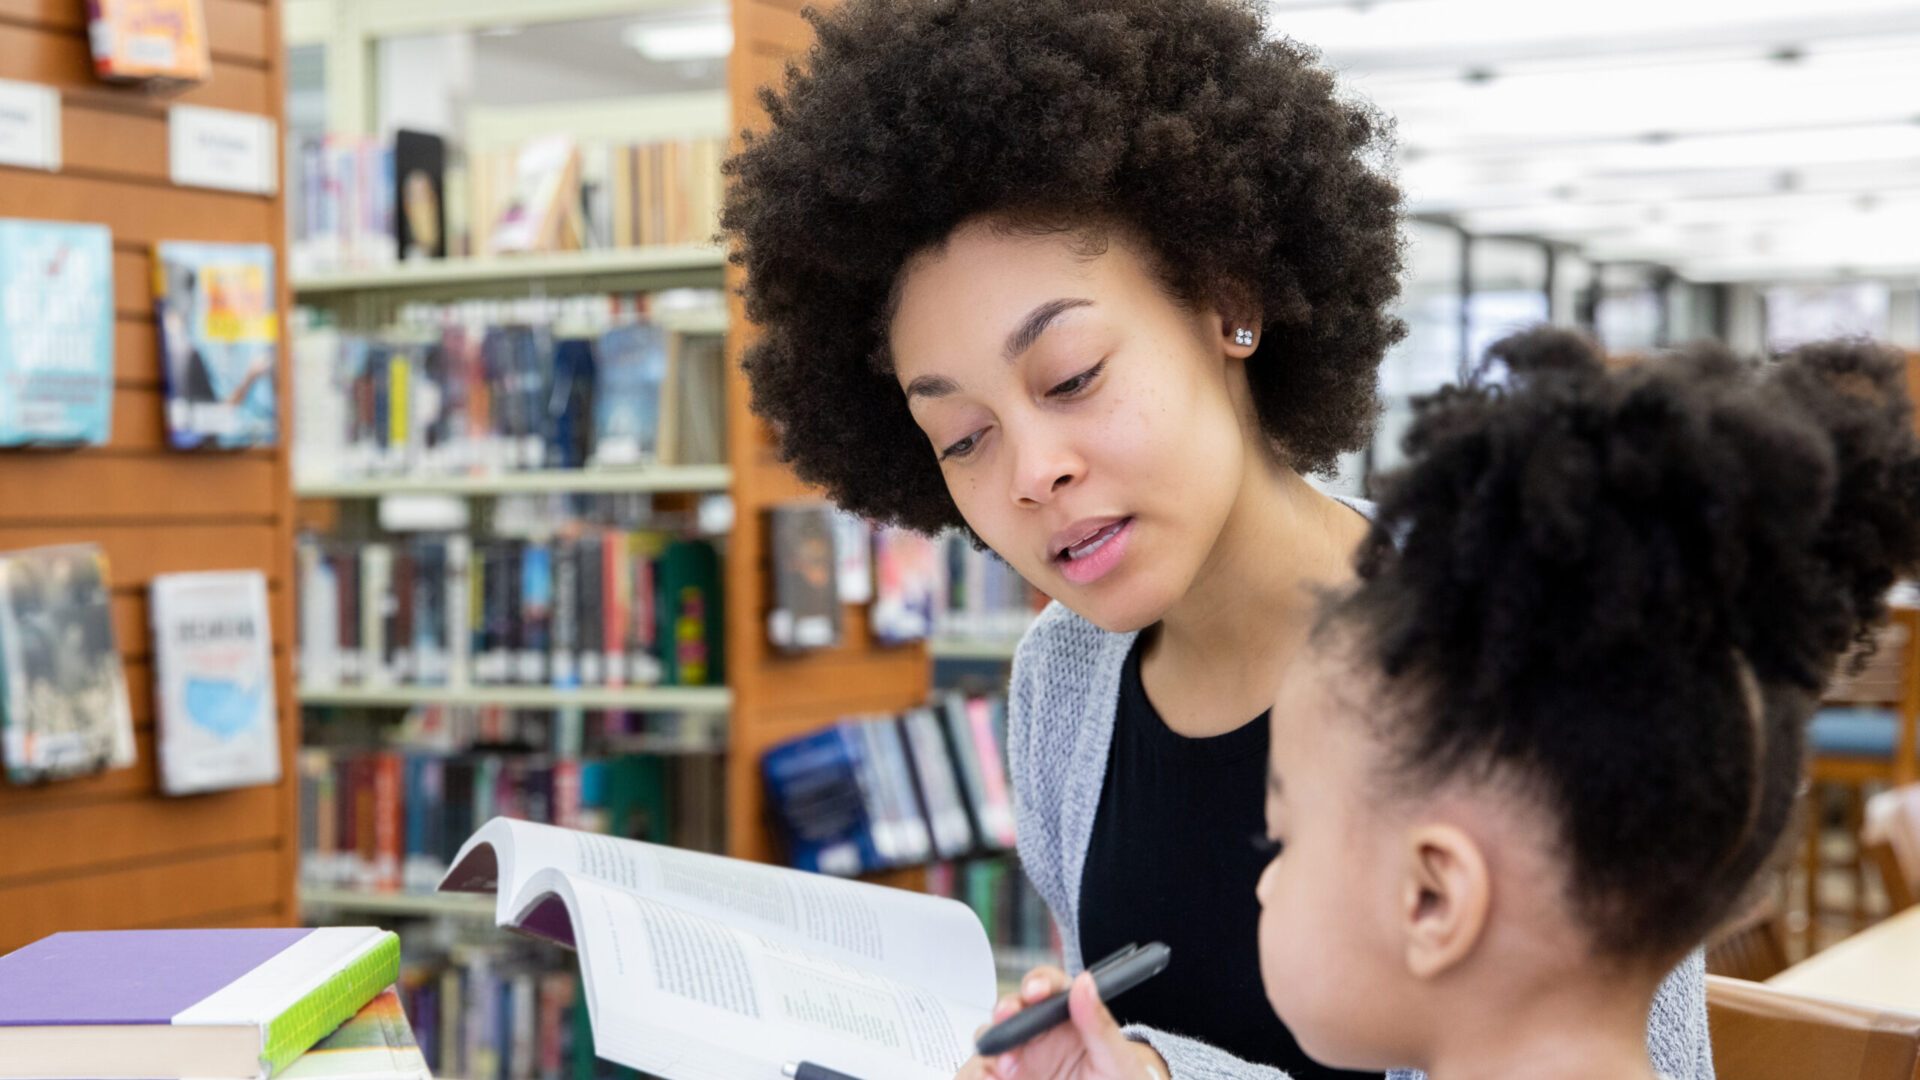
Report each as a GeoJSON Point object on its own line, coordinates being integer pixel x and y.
{"type": "Point", "coordinates": [563, 664]}
{"type": "Point", "coordinates": [805, 613]}
{"type": "Point", "coordinates": [419, 195]}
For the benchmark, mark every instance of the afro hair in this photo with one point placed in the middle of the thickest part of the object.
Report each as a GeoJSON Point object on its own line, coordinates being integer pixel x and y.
{"type": "Point", "coordinates": [1228, 154]}
{"type": "Point", "coordinates": [1628, 589]}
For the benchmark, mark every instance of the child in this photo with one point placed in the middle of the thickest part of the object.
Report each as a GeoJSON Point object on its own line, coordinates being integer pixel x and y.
{"type": "Point", "coordinates": [1551, 737]}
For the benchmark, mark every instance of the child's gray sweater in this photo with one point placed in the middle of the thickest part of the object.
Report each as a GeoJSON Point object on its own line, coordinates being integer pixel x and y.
{"type": "Point", "coordinates": [1065, 690]}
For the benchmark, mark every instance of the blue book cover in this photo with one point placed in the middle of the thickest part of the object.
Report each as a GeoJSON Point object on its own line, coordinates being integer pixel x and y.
{"type": "Point", "coordinates": [813, 786]}
{"type": "Point", "coordinates": [219, 338]}
{"type": "Point", "coordinates": [56, 333]}
{"type": "Point", "coordinates": [633, 369]}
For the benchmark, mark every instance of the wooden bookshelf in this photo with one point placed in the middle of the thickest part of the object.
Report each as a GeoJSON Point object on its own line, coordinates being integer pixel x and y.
{"type": "Point", "coordinates": [775, 696]}
{"type": "Point", "coordinates": [110, 851]}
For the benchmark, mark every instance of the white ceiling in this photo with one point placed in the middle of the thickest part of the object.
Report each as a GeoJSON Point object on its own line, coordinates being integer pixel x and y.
{"type": "Point", "coordinates": [1729, 139]}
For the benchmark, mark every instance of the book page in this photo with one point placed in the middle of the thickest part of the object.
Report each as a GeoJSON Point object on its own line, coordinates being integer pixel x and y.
{"type": "Point", "coordinates": [934, 943]}
{"type": "Point", "coordinates": [688, 997]}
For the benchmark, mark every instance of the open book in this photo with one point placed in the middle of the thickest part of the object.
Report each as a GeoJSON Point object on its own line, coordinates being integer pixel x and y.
{"type": "Point", "coordinates": [699, 967]}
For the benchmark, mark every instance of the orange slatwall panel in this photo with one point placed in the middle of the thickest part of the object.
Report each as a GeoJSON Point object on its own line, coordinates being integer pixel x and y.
{"type": "Point", "coordinates": [109, 851]}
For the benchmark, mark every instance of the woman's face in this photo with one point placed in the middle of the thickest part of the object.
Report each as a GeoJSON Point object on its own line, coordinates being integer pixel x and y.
{"type": "Point", "coordinates": [1092, 430]}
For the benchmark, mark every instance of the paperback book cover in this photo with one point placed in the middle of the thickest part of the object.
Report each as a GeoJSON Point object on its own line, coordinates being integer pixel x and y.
{"type": "Point", "coordinates": [219, 339]}
{"type": "Point", "coordinates": [214, 663]}
{"type": "Point", "coordinates": [906, 568]}
{"type": "Point", "coordinates": [56, 333]}
{"type": "Point", "coordinates": [158, 41]}
{"type": "Point", "coordinates": [633, 369]}
{"type": "Point", "coordinates": [215, 1004]}
{"type": "Point", "coordinates": [420, 173]}
{"type": "Point", "coordinates": [806, 604]}
{"type": "Point", "coordinates": [63, 696]}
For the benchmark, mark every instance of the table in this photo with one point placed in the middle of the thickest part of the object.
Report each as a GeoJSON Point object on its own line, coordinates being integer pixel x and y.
{"type": "Point", "coordinates": [1878, 966]}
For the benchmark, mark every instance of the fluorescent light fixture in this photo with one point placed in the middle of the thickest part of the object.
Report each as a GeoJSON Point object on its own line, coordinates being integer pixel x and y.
{"type": "Point", "coordinates": [667, 42]}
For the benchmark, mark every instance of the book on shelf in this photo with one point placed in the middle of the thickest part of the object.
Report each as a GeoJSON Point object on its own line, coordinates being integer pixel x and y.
{"type": "Point", "coordinates": [56, 333]}
{"type": "Point", "coordinates": [376, 1043]}
{"type": "Point", "coordinates": [390, 820]}
{"type": "Point", "coordinates": [805, 612]}
{"type": "Point", "coordinates": [63, 697]}
{"type": "Point", "coordinates": [213, 663]}
{"type": "Point", "coordinates": [853, 557]}
{"type": "Point", "coordinates": [874, 793]}
{"type": "Point", "coordinates": [997, 889]}
{"type": "Point", "coordinates": [340, 204]}
{"type": "Point", "coordinates": [595, 607]}
{"type": "Point", "coordinates": [981, 598]}
{"type": "Point", "coordinates": [456, 392]}
{"type": "Point", "coordinates": [419, 196]}
{"type": "Point", "coordinates": [219, 338]}
{"type": "Point", "coordinates": [906, 570]}
{"type": "Point", "coordinates": [217, 1004]}
{"type": "Point", "coordinates": [697, 965]}
{"type": "Point", "coordinates": [159, 42]}
{"type": "Point", "coordinates": [541, 211]}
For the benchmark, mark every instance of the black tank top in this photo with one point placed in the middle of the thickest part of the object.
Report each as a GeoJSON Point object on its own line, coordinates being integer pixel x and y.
{"type": "Point", "coordinates": [1172, 859]}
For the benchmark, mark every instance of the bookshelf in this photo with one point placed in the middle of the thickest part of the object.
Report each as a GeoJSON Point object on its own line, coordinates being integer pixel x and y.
{"type": "Point", "coordinates": [691, 479]}
{"type": "Point", "coordinates": [957, 648]}
{"type": "Point", "coordinates": [398, 904]}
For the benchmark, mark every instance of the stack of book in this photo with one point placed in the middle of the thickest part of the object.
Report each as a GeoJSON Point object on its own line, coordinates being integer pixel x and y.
{"type": "Point", "coordinates": [466, 393]}
{"type": "Point", "coordinates": [874, 793]}
{"type": "Point", "coordinates": [600, 606]}
{"type": "Point", "coordinates": [391, 820]}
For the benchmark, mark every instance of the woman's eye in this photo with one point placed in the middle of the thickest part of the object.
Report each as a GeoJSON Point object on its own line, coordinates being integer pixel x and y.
{"type": "Point", "coordinates": [1078, 382]}
{"type": "Point", "coordinates": [960, 449]}
{"type": "Point", "coordinates": [1269, 846]}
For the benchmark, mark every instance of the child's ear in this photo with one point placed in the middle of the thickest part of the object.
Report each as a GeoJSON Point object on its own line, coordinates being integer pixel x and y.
{"type": "Point", "coordinates": [1444, 899]}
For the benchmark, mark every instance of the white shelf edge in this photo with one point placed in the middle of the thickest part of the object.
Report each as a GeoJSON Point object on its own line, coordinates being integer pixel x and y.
{"type": "Point", "coordinates": [397, 903]}
{"type": "Point", "coordinates": [638, 698]}
{"type": "Point", "coordinates": [692, 478]}
{"type": "Point", "coordinates": [443, 272]}
{"type": "Point", "coordinates": [972, 648]}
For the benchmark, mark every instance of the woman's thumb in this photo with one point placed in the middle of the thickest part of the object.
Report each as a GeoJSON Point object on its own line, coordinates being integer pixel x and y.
{"type": "Point", "coordinates": [1106, 1047]}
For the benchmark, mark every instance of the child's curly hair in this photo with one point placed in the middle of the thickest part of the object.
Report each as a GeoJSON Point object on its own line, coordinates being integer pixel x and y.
{"type": "Point", "coordinates": [1227, 154]}
{"type": "Point", "coordinates": [1627, 590]}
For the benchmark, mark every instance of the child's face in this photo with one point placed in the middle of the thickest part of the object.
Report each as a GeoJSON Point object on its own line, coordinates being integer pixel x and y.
{"type": "Point", "coordinates": [1330, 904]}
{"type": "Point", "coordinates": [1123, 430]}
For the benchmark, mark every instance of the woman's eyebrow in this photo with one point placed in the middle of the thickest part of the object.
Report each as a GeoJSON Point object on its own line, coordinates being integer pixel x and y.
{"type": "Point", "coordinates": [1036, 323]}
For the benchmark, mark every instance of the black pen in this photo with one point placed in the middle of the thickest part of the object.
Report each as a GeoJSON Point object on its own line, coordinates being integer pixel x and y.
{"type": "Point", "coordinates": [807, 1070]}
{"type": "Point", "coordinates": [1112, 977]}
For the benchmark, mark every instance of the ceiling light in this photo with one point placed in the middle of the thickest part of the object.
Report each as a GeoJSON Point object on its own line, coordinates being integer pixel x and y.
{"type": "Point", "coordinates": [667, 42]}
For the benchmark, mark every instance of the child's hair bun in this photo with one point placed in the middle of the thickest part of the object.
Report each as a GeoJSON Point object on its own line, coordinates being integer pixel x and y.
{"type": "Point", "coordinates": [1631, 585]}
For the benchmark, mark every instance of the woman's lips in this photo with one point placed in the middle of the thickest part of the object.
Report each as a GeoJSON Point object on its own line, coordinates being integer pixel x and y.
{"type": "Point", "coordinates": [1095, 556]}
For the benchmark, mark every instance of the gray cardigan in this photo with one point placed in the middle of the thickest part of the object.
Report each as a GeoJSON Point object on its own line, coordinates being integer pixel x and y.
{"type": "Point", "coordinates": [1064, 695]}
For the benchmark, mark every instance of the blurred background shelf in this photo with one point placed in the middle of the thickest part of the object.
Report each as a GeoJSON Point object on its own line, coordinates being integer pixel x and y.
{"type": "Point", "coordinates": [633, 698]}
{"type": "Point", "coordinates": [339, 901]}
{"type": "Point", "coordinates": [642, 268]}
{"type": "Point", "coordinates": [681, 478]}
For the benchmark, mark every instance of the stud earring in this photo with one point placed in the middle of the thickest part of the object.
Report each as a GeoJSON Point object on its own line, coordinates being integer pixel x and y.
{"type": "Point", "coordinates": [1243, 336]}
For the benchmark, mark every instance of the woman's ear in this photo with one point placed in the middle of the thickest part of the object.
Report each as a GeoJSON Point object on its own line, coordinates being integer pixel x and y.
{"type": "Point", "coordinates": [1445, 897]}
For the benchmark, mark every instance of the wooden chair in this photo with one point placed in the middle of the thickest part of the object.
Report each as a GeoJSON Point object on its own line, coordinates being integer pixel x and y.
{"type": "Point", "coordinates": [1863, 735]}
{"type": "Point", "coordinates": [1763, 1033]}
{"type": "Point", "coordinates": [1891, 842]}
{"type": "Point", "coordinates": [1752, 947]}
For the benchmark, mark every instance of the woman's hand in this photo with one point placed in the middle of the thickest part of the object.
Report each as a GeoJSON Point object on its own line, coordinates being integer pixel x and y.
{"type": "Point", "coordinates": [1088, 1048]}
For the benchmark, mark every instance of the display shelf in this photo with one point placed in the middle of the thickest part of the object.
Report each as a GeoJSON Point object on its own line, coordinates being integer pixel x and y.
{"type": "Point", "coordinates": [631, 698]}
{"type": "Point", "coordinates": [662, 267]}
{"type": "Point", "coordinates": [402, 904]}
{"type": "Point", "coordinates": [678, 478]}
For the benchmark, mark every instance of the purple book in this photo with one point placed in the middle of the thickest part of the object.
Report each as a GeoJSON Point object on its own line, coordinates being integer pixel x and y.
{"type": "Point", "coordinates": [146, 1004]}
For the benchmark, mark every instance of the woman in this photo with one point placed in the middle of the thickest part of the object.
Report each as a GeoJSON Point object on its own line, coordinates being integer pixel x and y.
{"type": "Point", "coordinates": [1101, 283]}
